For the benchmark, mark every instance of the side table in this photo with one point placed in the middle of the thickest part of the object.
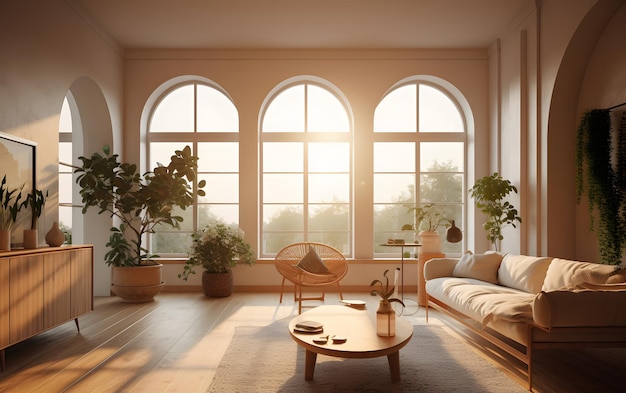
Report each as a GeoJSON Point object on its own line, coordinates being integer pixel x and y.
{"type": "Point", "coordinates": [422, 258]}
{"type": "Point", "coordinates": [402, 246]}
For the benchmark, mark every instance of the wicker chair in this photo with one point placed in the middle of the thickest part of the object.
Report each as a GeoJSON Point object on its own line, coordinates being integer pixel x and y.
{"type": "Point", "coordinates": [289, 256]}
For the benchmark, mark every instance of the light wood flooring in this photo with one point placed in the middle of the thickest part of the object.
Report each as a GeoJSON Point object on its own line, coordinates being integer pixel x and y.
{"type": "Point", "coordinates": [175, 344]}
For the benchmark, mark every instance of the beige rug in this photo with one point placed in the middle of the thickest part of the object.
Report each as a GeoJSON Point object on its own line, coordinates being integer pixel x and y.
{"type": "Point", "coordinates": [266, 359]}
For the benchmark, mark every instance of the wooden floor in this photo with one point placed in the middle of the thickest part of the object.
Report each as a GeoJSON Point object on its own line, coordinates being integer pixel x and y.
{"type": "Point", "coordinates": [175, 344]}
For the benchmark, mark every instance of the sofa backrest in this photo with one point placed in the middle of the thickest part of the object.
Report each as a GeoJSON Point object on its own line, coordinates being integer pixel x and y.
{"type": "Point", "coordinates": [563, 274]}
{"type": "Point", "coordinates": [523, 272]}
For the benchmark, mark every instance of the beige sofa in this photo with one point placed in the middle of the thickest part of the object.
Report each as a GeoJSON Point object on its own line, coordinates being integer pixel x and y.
{"type": "Point", "coordinates": [523, 303]}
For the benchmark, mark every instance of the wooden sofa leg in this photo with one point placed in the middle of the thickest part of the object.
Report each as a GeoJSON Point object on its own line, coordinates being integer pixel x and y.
{"type": "Point", "coordinates": [529, 358]}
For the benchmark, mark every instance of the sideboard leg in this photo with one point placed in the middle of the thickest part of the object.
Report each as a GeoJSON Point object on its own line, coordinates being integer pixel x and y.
{"type": "Point", "coordinates": [2, 364]}
{"type": "Point", "coordinates": [76, 322]}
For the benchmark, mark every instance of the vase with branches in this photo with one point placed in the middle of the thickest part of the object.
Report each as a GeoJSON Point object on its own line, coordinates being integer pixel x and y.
{"type": "Point", "coordinates": [385, 315]}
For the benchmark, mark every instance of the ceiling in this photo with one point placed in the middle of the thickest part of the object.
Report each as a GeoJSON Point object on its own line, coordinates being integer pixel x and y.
{"type": "Point", "coordinates": [301, 24]}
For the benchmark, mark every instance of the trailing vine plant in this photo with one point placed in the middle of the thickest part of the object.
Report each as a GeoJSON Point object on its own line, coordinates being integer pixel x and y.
{"type": "Point", "coordinates": [602, 183]}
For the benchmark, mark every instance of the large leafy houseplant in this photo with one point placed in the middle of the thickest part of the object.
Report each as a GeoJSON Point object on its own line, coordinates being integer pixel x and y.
{"type": "Point", "coordinates": [217, 248]}
{"type": "Point", "coordinates": [139, 202]}
{"type": "Point", "coordinates": [489, 193]}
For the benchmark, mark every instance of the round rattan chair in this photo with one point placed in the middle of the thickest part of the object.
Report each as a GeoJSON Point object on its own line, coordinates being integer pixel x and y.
{"type": "Point", "coordinates": [289, 256]}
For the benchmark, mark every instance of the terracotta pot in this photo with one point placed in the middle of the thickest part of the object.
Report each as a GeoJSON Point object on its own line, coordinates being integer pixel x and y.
{"type": "Point", "coordinates": [5, 240]}
{"type": "Point", "coordinates": [217, 284]}
{"type": "Point", "coordinates": [31, 239]}
{"type": "Point", "coordinates": [137, 284]}
{"type": "Point", "coordinates": [430, 241]}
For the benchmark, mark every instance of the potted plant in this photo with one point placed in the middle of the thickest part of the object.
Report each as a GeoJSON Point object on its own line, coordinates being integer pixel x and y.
{"type": "Point", "coordinates": [489, 193]}
{"type": "Point", "coordinates": [217, 248]}
{"type": "Point", "coordinates": [140, 203]}
{"type": "Point", "coordinates": [427, 219]}
{"type": "Point", "coordinates": [36, 200]}
{"type": "Point", "coordinates": [385, 315]}
{"type": "Point", "coordinates": [9, 207]}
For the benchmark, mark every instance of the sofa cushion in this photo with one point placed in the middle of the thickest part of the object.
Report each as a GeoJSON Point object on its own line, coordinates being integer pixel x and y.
{"type": "Point", "coordinates": [482, 301]}
{"type": "Point", "coordinates": [312, 263]}
{"type": "Point", "coordinates": [563, 274]}
{"type": "Point", "coordinates": [526, 273]}
{"type": "Point", "coordinates": [482, 267]}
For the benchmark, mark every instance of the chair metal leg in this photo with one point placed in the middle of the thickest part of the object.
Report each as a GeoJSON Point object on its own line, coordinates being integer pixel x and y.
{"type": "Point", "coordinates": [340, 293]}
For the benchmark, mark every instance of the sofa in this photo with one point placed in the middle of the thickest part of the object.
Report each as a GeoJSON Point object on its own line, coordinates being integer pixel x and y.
{"type": "Point", "coordinates": [523, 303]}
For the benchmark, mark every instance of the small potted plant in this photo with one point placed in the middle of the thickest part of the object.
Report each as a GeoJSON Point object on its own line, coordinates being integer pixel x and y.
{"type": "Point", "coordinates": [36, 200]}
{"type": "Point", "coordinates": [385, 315]}
{"type": "Point", "coordinates": [428, 219]}
{"type": "Point", "coordinates": [217, 248]}
{"type": "Point", "coordinates": [9, 207]}
{"type": "Point", "coordinates": [489, 194]}
{"type": "Point", "coordinates": [140, 203]}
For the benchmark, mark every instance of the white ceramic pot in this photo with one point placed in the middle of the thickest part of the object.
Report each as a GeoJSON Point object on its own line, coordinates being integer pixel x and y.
{"type": "Point", "coordinates": [430, 241]}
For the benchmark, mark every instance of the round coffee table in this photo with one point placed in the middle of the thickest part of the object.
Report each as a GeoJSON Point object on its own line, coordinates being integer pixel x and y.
{"type": "Point", "coordinates": [359, 329]}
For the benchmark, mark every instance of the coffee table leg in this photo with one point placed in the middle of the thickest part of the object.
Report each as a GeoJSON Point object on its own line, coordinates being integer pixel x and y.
{"type": "Point", "coordinates": [394, 365]}
{"type": "Point", "coordinates": [309, 365]}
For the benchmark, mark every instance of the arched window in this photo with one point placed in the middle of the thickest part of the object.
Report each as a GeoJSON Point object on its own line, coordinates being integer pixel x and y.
{"type": "Point", "coordinates": [419, 159]}
{"type": "Point", "coordinates": [202, 116]}
{"type": "Point", "coordinates": [66, 183]}
{"type": "Point", "coordinates": [306, 167]}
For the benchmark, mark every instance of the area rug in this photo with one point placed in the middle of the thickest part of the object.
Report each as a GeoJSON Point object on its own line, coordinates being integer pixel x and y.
{"type": "Point", "coordinates": [266, 359]}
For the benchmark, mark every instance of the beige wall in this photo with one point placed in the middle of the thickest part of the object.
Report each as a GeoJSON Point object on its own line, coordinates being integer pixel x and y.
{"type": "Point", "coordinates": [525, 92]}
{"type": "Point", "coordinates": [45, 48]}
{"type": "Point", "coordinates": [603, 86]}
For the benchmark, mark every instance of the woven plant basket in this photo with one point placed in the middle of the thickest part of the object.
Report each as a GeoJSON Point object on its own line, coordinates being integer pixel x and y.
{"type": "Point", "coordinates": [217, 284]}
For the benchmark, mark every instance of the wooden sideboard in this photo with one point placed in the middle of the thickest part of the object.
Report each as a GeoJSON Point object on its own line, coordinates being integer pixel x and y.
{"type": "Point", "coordinates": [43, 288]}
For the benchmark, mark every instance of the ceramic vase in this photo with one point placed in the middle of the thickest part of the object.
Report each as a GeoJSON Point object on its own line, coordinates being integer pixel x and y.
{"type": "Point", "coordinates": [5, 240]}
{"type": "Point", "coordinates": [31, 239]}
{"type": "Point", "coordinates": [385, 319]}
{"type": "Point", "coordinates": [55, 237]}
{"type": "Point", "coordinates": [453, 234]}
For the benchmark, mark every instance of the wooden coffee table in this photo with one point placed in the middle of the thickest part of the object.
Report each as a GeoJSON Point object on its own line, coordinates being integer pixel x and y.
{"type": "Point", "coordinates": [358, 327]}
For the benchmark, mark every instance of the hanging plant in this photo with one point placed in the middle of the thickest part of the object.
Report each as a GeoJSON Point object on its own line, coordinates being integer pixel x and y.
{"type": "Point", "coordinates": [600, 182]}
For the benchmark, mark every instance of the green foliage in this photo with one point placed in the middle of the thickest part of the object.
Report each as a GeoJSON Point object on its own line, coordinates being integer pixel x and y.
{"type": "Point", "coordinates": [428, 217]}
{"type": "Point", "coordinates": [605, 186]}
{"type": "Point", "coordinates": [9, 204]}
{"type": "Point", "coordinates": [217, 248]}
{"type": "Point", "coordinates": [386, 291]}
{"type": "Point", "coordinates": [36, 200]}
{"type": "Point", "coordinates": [140, 202]}
{"type": "Point", "coordinates": [489, 193]}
